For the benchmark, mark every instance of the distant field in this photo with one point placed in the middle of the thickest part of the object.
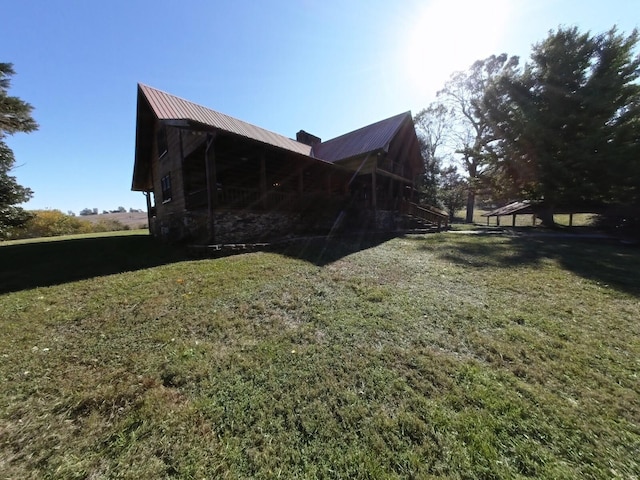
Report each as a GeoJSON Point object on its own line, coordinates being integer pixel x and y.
{"type": "Point", "coordinates": [132, 220]}
{"type": "Point", "coordinates": [438, 356]}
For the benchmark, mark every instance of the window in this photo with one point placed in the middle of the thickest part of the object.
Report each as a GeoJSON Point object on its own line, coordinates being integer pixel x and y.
{"type": "Point", "coordinates": [165, 184]}
{"type": "Point", "coordinates": [162, 143]}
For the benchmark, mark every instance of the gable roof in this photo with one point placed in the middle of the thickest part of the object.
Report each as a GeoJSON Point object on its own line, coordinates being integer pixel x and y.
{"type": "Point", "coordinates": [169, 107]}
{"type": "Point", "coordinates": [166, 107]}
{"type": "Point", "coordinates": [376, 136]}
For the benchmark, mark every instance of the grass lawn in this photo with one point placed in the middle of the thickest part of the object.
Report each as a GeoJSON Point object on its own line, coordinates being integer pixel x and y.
{"type": "Point", "coordinates": [440, 356]}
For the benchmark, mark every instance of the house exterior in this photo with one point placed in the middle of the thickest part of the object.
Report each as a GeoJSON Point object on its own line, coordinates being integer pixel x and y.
{"type": "Point", "coordinates": [210, 178]}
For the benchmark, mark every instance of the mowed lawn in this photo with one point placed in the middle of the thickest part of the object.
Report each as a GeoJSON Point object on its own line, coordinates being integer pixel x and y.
{"type": "Point", "coordinates": [440, 356]}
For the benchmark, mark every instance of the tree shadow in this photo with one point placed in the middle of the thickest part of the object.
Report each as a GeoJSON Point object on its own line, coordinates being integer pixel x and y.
{"type": "Point", "coordinates": [604, 261]}
{"type": "Point", "coordinates": [42, 264]}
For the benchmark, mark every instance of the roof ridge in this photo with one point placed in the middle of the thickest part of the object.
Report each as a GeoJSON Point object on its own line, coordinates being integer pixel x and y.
{"type": "Point", "coordinates": [408, 112]}
{"type": "Point", "coordinates": [373, 137]}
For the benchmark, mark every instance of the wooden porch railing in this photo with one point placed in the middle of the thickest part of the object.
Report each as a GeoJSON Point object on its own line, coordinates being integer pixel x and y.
{"type": "Point", "coordinates": [427, 213]}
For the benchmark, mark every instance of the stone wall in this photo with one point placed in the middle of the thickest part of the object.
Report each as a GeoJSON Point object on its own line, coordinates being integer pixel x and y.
{"type": "Point", "coordinates": [255, 227]}
{"type": "Point", "coordinates": [229, 226]}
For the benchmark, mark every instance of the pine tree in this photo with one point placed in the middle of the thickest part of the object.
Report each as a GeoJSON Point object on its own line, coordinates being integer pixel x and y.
{"type": "Point", "coordinates": [569, 122]}
{"type": "Point", "coordinates": [15, 116]}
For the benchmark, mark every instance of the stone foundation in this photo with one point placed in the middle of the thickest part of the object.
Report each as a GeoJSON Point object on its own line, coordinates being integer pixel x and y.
{"type": "Point", "coordinates": [229, 227]}
{"type": "Point", "coordinates": [257, 227]}
{"type": "Point", "coordinates": [251, 227]}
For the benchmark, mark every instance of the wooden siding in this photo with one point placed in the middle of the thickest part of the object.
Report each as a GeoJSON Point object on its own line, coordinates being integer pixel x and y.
{"type": "Point", "coordinates": [169, 163]}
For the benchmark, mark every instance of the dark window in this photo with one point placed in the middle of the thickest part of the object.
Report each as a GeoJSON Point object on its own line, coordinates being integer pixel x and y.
{"type": "Point", "coordinates": [163, 145]}
{"type": "Point", "coordinates": [165, 183]}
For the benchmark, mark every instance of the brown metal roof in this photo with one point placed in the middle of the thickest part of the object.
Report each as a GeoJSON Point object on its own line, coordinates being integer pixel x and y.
{"type": "Point", "coordinates": [170, 107]}
{"type": "Point", "coordinates": [376, 136]}
{"type": "Point", "coordinates": [514, 207]}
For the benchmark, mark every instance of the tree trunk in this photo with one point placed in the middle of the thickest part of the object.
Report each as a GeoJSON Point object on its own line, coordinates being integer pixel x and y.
{"type": "Point", "coordinates": [471, 202]}
{"type": "Point", "coordinates": [545, 214]}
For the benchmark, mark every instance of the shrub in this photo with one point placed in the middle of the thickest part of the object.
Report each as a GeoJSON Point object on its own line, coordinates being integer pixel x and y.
{"type": "Point", "coordinates": [109, 225]}
{"type": "Point", "coordinates": [49, 223]}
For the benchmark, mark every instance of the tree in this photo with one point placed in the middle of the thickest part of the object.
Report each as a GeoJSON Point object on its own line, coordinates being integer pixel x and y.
{"type": "Point", "coordinates": [50, 223]}
{"type": "Point", "coordinates": [15, 116]}
{"type": "Point", "coordinates": [452, 190]}
{"type": "Point", "coordinates": [471, 131]}
{"type": "Point", "coordinates": [569, 122]}
{"type": "Point", "coordinates": [432, 125]}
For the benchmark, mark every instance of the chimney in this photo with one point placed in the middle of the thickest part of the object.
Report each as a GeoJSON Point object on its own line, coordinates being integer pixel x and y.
{"type": "Point", "coordinates": [307, 138]}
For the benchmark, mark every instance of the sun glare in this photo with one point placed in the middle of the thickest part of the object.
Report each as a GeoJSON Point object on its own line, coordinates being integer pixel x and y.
{"type": "Point", "coordinates": [448, 36]}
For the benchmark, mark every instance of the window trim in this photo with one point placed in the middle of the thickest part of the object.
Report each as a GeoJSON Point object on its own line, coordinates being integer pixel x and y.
{"type": "Point", "coordinates": [165, 188]}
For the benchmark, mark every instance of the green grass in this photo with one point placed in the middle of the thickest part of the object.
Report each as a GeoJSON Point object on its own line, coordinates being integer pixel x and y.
{"type": "Point", "coordinates": [118, 233]}
{"type": "Point", "coordinates": [441, 356]}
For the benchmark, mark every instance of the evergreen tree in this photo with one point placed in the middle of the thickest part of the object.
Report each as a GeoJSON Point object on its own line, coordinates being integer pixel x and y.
{"type": "Point", "coordinates": [568, 124]}
{"type": "Point", "coordinates": [15, 116]}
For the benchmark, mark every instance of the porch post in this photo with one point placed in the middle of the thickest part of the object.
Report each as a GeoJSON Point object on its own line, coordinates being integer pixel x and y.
{"type": "Point", "coordinates": [212, 184]}
{"type": "Point", "coordinates": [147, 195]}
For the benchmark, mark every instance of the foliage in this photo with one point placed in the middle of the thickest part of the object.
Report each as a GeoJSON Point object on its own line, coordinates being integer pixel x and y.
{"type": "Point", "coordinates": [50, 223]}
{"type": "Point", "coordinates": [452, 190]}
{"type": "Point", "coordinates": [109, 225]}
{"type": "Point", "coordinates": [471, 131]}
{"type": "Point", "coordinates": [88, 211]}
{"type": "Point", "coordinates": [15, 116]}
{"type": "Point", "coordinates": [508, 357]}
{"type": "Point", "coordinates": [568, 124]}
{"type": "Point", "coordinates": [432, 124]}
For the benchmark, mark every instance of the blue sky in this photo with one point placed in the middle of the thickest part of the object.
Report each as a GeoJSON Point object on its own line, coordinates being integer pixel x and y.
{"type": "Point", "coordinates": [325, 66]}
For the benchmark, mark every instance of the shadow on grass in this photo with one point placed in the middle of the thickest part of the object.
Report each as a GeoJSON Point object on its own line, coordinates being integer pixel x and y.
{"type": "Point", "coordinates": [607, 262]}
{"type": "Point", "coordinates": [322, 251]}
{"type": "Point", "coordinates": [46, 263]}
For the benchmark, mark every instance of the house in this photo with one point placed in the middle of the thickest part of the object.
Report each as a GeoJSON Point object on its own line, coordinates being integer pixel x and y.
{"type": "Point", "coordinates": [210, 178]}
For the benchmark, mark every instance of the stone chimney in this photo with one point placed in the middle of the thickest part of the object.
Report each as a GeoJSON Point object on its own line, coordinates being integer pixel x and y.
{"type": "Point", "coordinates": [307, 138]}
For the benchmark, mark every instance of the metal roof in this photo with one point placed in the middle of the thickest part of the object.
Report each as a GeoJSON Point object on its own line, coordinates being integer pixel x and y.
{"type": "Point", "coordinates": [169, 107]}
{"type": "Point", "coordinates": [376, 136]}
{"type": "Point", "coordinates": [516, 207]}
